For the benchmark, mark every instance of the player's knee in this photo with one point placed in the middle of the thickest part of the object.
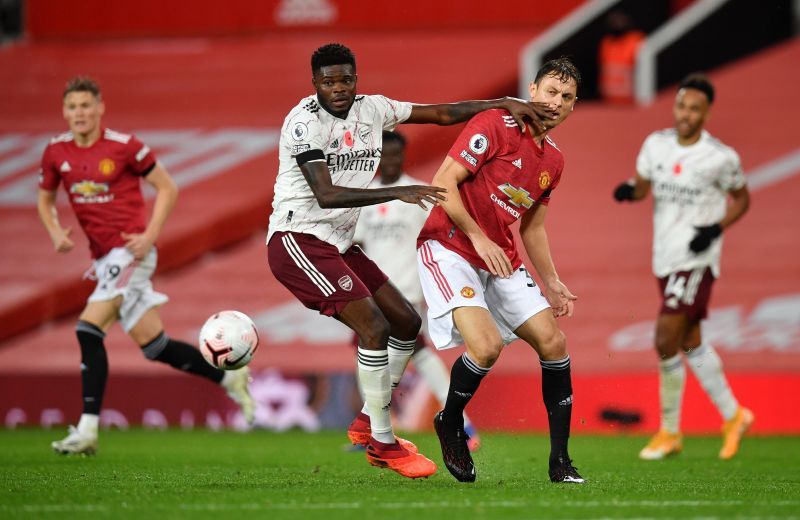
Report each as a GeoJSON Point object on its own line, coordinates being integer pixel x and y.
{"type": "Point", "coordinates": [376, 336]}
{"type": "Point", "coordinates": [414, 324]}
{"type": "Point", "coordinates": [554, 347]}
{"type": "Point", "coordinates": [486, 351]}
{"type": "Point", "coordinates": [666, 345]}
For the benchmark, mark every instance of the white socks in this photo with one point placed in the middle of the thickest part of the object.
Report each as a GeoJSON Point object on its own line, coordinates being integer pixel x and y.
{"type": "Point", "coordinates": [400, 352]}
{"type": "Point", "coordinates": [707, 367]}
{"type": "Point", "coordinates": [672, 377]}
{"type": "Point", "coordinates": [89, 424]}
{"type": "Point", "coordinates": [373, 373]}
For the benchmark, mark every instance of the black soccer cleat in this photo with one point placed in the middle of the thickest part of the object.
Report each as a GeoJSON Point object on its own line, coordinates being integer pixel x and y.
{"type": "Point", "coordinates": [562, 471]}
{"type": "Point", "coordinates": [455, 452]}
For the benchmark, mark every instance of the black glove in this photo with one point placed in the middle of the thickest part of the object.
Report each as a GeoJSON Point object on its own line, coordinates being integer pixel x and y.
{"type": "Point", "coordinates": [623, 192]}
{"type": "Point", "coordinates": [705, 235]}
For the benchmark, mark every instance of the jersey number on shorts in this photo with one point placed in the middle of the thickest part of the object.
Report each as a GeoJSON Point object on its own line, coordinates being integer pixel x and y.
{"type": "Point", "coordinates": [110, 273]}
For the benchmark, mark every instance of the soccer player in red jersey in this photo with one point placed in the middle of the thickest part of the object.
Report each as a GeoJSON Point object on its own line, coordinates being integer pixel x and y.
{"type": "Point", "coordinates": [475, 284]}
{"type": "Point", "coordinates": [101, 171]}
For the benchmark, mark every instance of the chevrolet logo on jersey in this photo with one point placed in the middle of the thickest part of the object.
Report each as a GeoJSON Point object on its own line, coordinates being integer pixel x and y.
{"type": "Point", "coordinates": [519, 197]}
{"type": "Point", "coordinates": [88, 188]}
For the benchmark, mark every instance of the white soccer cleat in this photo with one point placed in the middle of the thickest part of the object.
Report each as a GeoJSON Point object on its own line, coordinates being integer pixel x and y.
{"type": "Point", "coordinates": [237, 384]}
{"type": "Point", "coordinates": [76, 443]}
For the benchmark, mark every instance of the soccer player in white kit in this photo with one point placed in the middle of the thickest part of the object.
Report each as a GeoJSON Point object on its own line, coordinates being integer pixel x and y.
{"type": "Point", "coordinates": [699, 190]}
{"type": "Point", "coordinates": [329, 151]}
{"type": "Point", "coordinates": [388, 234]}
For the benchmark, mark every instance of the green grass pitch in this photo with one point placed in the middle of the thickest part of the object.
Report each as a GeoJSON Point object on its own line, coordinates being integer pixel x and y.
{"type": "Point", "coordinates": [148, 474]}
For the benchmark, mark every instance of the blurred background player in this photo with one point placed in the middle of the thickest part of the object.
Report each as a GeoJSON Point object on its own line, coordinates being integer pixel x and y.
{"type": "Point", "coordinates": [329, 151]}
{"type": "Point", "coordinates": [475, 284]}
{"type": "Point", "coordinates": [692, 176]}
{"type": "Point", "coordinates": [100, 170]}
{"type": "Point", "coordinates": [388, 234]}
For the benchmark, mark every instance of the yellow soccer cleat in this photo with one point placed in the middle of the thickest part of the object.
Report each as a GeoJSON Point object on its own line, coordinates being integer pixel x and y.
{"type": "Point", "coordinates": [733, 430]}
{"type": "Point", "coordinates": [662, 445]}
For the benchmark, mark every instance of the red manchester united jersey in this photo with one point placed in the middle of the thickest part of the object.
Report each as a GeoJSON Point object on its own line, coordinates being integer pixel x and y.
{"type": "Point", "coordinates": [510, 175]}
{"type": "Point", "coordinates": [102, 182]}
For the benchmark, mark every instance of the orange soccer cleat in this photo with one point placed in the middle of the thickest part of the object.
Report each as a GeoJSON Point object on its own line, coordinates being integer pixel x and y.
{"type": "Point", "coordinates": [733, 430]}
{"type": "Point", "coordinates": [360, 433]}
{"type": "Point", "coordinates": [662, 445]}
{"type": "Point", "coordinates": [397, 458]}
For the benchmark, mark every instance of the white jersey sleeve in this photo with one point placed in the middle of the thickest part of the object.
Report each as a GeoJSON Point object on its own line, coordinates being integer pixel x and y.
{"type": "Point", "coordinates": [302, 131]}
{"type": "Point", "coordinates": [645, 162]}
{"type": "Point", "coordinates": [394, 112]}
{"type": "Point", "coordinates": [731, 175]}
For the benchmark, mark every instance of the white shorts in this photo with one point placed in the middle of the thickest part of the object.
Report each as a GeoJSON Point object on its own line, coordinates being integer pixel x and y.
{"type": "Point", "coordinates": [118, 273]}
{"type": "Point", "coordinates": [449, 282]}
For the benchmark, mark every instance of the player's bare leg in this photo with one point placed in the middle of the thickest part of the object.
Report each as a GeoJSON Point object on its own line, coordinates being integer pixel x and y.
{"type": "Point", "coordinates": [149, 334]}
{"type": "Point", "coordinates": [483, 346]}
{"type": "Point", "coordinates": [707, 367]}
{"type": "Point", "coordinates": [365, 318]}
{"type": "Point", "coordinates": [542, 332]}
{"type": "Point", "coordinates": [93, 323]}
{"type": "Point", "coordinates": [671, 334]}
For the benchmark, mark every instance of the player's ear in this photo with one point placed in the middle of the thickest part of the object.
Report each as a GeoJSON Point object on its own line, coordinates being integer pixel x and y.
{"type": "Point", "coordinates": [101, 107]}
{"type": "Point", "coordinates": [532, 89]}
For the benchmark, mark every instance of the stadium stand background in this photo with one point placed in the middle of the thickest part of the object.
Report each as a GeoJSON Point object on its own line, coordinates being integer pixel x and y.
{"type": "Point", "coordinates": [208, 91]}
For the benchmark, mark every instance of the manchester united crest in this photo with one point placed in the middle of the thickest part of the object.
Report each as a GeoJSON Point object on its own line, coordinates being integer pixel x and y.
{"type": "Point", "coordinates": [106, 166]}
{"type": "Point", "coordinates": [467, 292]}
{"type": "Point", "coordinates": [544, 179]}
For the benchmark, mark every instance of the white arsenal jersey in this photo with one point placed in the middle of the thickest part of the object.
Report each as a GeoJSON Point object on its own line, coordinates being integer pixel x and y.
{"type": "Point", "coordinates": [352, 149]}
{"type": "Point", "coordinates": [690, 186]}
{"type": "Point", "coordinates": [388, 233]}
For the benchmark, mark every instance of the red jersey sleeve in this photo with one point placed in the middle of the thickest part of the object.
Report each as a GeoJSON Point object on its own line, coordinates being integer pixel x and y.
{"type": "Point", "coordinates": [483, 138]}
{"type": "Point", "coordinates": [49, 176]}
{"type": "Point", "coordinates": [141, 158]}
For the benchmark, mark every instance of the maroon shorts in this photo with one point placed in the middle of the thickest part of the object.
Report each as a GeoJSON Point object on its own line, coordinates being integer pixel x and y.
{"type": "Point", "coordinates": [687, 292]}
{"type": "Point", "coordinates": [318, 275]}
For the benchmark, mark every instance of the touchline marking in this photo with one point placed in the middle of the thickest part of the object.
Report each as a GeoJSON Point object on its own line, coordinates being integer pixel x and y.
{"type": "Point", "coordinates": [466, 504]}
{"type": "Point", "coordinates": [775, 171]}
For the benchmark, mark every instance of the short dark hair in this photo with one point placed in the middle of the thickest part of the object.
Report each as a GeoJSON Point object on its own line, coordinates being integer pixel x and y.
{"type": "Point", "coordinates": [699, 81]}
{"type": "Point", "coordinates": [332, 54]}
{"type": "Point", "coordinates": [562, 68]}
{"type": "Point", "coordinates": [82, 84]}
{"type": "Point", "coordinates": [396, 137]}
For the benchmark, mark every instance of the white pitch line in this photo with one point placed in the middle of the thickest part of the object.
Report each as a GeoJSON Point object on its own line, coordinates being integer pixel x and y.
{"type": "Point", "coordinates": [775, 171]}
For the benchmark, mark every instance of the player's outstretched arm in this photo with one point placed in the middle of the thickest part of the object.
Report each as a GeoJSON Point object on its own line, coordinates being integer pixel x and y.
{"type": "Point", "coordinates": [46, 205]}
{"type": "Point", "coordinates": [166, 194]}
{"type": "Point", "coordinates": [329, 195]}
{"type": "Point", "coordinates": [534, 238]}
{"type": "Point", "coordinates": [633, 189]}
{"type": "Point", "coordinates": [452, 113]}
{"type": "Point", "coordinates": [449, 176]}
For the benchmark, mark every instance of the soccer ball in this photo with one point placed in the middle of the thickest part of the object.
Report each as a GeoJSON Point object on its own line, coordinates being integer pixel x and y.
{"type": "Point", "coordinates": [228, 340]}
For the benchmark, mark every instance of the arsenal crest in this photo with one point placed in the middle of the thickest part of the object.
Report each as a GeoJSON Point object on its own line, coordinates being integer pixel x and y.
{"type": "Point", "coordinates": [346, 283]}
